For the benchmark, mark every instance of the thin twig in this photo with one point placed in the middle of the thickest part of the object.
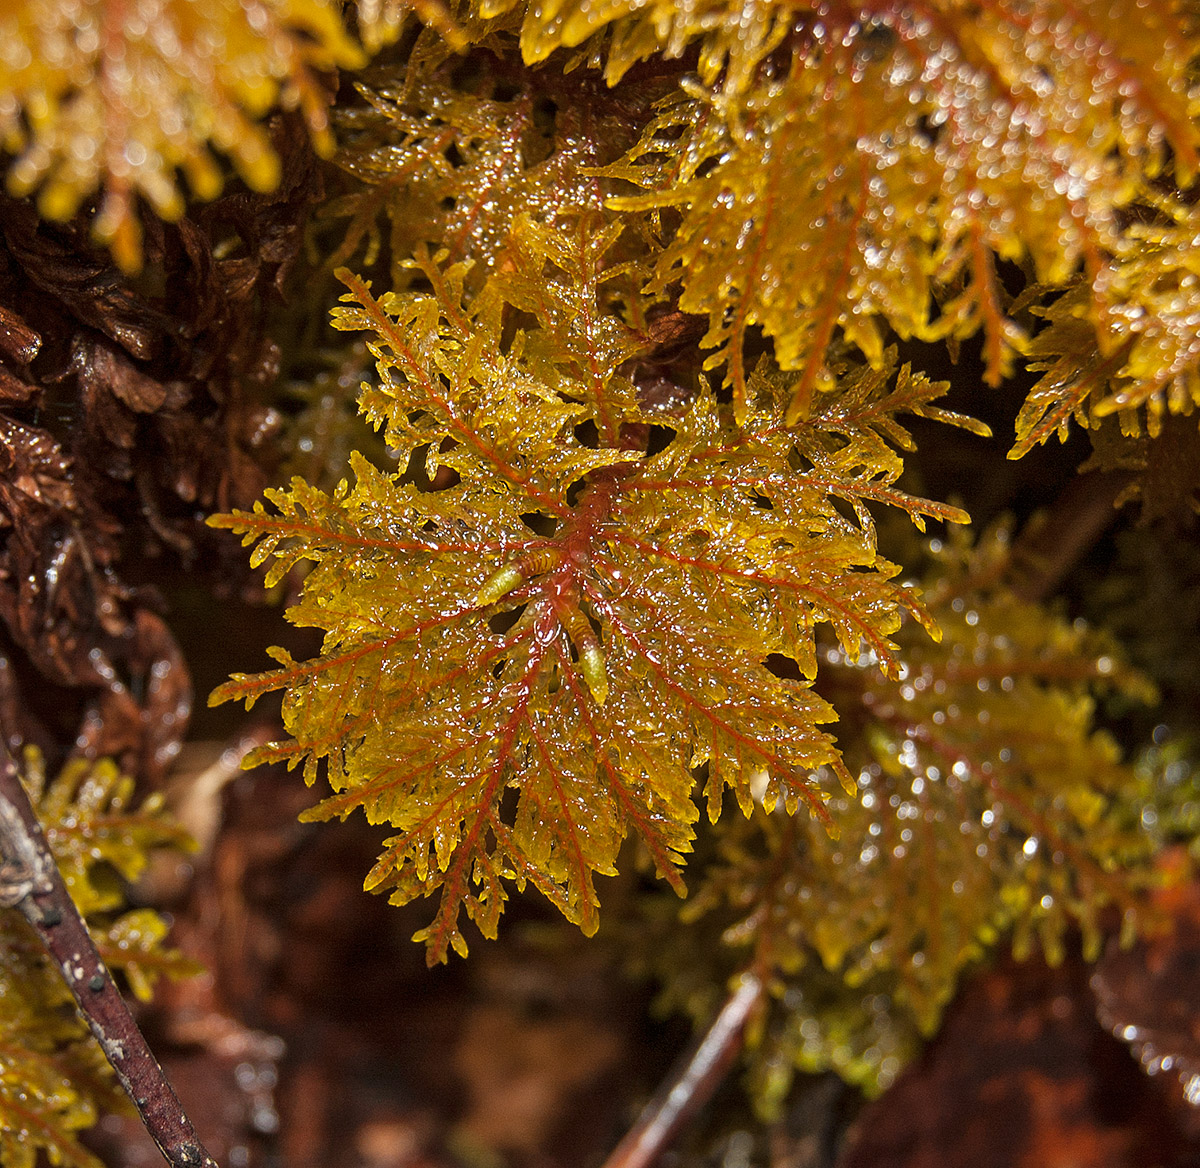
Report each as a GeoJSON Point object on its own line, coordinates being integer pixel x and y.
{"type": "Point", "coordinates": [30, 882]}
{"type": "Point", "coordinates": [1057, 539]}
{"type": "Point", "coordinates": [692, 1085]}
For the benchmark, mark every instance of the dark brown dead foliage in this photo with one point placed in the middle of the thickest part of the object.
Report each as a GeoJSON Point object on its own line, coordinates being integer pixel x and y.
{"type": "Point", "coordinates": [129, 410]}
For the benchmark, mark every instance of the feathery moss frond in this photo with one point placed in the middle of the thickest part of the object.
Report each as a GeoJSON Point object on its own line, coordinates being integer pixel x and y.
{"type": "Point", "coordinates": [991, 808]}
{"type": "Point", "coordinates": [103, 97]}
{"type": "Point", "coordinates": [527, 663]}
